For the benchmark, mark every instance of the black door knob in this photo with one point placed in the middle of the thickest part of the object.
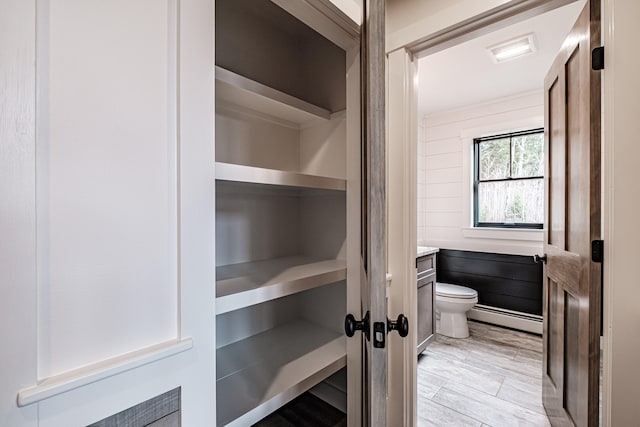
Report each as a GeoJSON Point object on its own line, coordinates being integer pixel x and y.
{"type": "Point", "coordinates": [401, 325]}
{"type": "Point", "coordinates": [351, 325]}
{"type": "Point", "coordinates": [538, 258]}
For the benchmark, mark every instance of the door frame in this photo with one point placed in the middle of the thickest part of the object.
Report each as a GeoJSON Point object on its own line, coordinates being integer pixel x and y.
{"type": "Point", "coordinates": [621, 233]}
{"type": "Point", "coordinates": [402, 116]}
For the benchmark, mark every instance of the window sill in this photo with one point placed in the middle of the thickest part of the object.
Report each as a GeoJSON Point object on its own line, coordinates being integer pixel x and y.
{"type": "Point", "coordinates": [528, 234]}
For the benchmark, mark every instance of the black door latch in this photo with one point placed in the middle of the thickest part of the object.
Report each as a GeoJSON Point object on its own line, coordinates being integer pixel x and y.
{"type": "Point", "coordinates": [401, 325]}
{"type": "Point", "coordinates": [351, 325]}
{"type": "Point", "coordinates": [380, 330]}
{"type": "Point", "coordinates": [537, 258]}
{"type": "Point", "coordinates": [379, 334]}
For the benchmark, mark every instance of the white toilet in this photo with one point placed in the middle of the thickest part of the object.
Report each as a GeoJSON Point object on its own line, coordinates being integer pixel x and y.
{"type": "Point", "coordinates": [452, 304]}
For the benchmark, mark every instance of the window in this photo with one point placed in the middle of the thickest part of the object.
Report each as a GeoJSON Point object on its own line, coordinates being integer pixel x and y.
{"type": "Point", "coordinates": [509, 180]}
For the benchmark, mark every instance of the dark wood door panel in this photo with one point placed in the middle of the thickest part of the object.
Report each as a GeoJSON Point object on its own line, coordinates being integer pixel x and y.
{"type": "Point", "coordinates": [555, 150]}
{"type": "Point", "coordinates": [553, 335]}
{"type": "Point", "coordinates": [572, 288]}
{"type": "Point", "coordinates": [565, 268]}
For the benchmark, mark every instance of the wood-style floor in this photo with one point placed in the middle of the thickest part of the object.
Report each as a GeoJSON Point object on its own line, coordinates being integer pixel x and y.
{"type": "Point", "coordinates": [493, 378]}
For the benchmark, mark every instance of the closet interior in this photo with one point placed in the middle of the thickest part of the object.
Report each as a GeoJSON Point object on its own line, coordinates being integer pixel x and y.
{"type": "Point", "coordinates": [281, 211]}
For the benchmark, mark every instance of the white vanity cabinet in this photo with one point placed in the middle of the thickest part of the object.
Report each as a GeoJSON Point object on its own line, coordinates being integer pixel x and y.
{"type": "Point", "coordinates": [287, 200]}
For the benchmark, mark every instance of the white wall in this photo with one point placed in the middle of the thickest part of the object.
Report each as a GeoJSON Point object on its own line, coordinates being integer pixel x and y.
{"type": "Point", "coordinates": [445, 173]}
{"type": "Point", "coordinates": [108, 234]}
{"type": "Point", "coordinates": [409, 20]}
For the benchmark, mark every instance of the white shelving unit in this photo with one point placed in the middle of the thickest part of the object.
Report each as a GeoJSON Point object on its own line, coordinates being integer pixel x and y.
{"type": "Point", "coordinates": [281, 205]}
{"type": "Point", "coordinates": [245, 284]}
{"type": "Point", "coordinates": [263, 372]}
{"type": "Point", "coordinates": [236, 91]}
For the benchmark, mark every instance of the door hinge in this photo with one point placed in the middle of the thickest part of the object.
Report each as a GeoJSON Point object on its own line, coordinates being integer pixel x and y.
{"type": "Point", "coordinates": [597, 58]}
{"type": "Point", "coordinates": [597, 250]}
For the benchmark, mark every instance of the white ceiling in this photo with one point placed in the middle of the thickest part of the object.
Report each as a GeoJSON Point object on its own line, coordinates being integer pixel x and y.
{"type": "Point", "coordinates": [466, 74]}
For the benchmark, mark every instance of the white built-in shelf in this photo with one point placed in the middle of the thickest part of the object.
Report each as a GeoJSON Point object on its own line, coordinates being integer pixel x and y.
{"type": "Point", "coordinates": [257, 375]}
{"type": "Point", "coordinates": [242, 285]}
{"type": "Point", "coordinates": [236, 90]}
{"type": "Point", "coordinates": [255, 175]}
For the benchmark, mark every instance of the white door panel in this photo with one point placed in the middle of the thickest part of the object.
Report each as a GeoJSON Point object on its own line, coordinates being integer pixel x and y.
{"type": "Point", "coordinates": [106, 191]}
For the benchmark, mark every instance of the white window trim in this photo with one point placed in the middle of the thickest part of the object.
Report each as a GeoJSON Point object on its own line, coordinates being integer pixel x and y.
{"type": "Point", "coordinates": [525, 234]}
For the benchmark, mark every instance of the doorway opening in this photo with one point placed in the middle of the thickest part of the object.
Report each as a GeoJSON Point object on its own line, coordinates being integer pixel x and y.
{"type": "Point", "coordinates": [467, 96]}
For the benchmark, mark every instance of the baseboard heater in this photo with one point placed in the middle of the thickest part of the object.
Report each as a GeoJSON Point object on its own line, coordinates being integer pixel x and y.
{"type": "Point", "coordinates": [509, 318]}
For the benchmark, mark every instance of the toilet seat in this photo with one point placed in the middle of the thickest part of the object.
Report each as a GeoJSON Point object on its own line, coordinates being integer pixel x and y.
{"type": "Point", "coordinates": [455, 291]}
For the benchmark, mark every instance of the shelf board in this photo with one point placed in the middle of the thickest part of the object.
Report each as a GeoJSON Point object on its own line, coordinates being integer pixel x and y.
{"type": "Point", "coordinates": [259, 374]}
{"type": "Point", "coordinates": [242, 285]}
{"type": "Point", "coordinates": [255, 175]}
{"type": "Point", "coordinates": [234, 89]}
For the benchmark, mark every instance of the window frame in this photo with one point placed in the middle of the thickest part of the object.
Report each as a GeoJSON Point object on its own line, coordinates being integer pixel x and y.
{"type": "Point", "coordinates": [477, 180]}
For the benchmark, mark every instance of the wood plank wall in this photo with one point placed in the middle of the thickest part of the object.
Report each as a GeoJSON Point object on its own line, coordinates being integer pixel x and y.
{"type": "Point", "coordinates": [445, 170]}
{"type": "Point", "coordinates": [513, 282]}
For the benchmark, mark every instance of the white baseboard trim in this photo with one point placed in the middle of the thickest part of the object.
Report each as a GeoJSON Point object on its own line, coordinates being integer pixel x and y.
{"type": "Point", "coordinates": [508, 318]}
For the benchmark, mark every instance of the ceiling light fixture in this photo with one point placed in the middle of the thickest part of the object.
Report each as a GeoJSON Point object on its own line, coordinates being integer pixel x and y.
{"type": "Point", "coordinates": [512, 49]}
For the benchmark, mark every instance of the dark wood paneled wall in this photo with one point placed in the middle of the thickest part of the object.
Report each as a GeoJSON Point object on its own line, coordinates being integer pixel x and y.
{"type": "Point", "coordinates": [513, 282]}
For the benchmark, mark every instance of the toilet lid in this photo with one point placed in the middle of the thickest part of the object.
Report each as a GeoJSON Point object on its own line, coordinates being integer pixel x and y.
{"type": "Point", "coordinates": [454, 291]}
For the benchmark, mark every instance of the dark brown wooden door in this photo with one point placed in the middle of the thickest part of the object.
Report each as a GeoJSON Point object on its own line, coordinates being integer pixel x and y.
{"type": "Point", "coordinates": [572, 281]}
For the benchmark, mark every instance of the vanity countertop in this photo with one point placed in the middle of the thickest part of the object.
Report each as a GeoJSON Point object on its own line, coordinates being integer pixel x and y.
{"type": "Point", "coordinates": [426, 250]}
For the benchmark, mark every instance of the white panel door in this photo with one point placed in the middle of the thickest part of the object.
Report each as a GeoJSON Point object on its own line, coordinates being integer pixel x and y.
{"type": "Point", "coordinates": [106, 153]}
